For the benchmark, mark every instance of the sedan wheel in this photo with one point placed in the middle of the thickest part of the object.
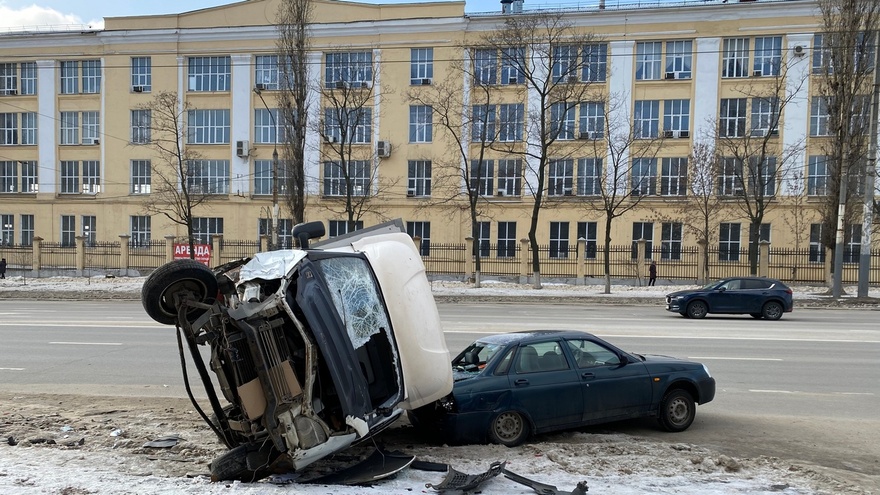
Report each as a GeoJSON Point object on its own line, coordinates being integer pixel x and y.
{"type": "Point", "coordinates": [509, 429]}
{"type": "Point", "coordinates": [677, 410]}
{"type": "Point", "coordinates": [772, 310]}
{"type": "Point", "coordinates": [697, 309]}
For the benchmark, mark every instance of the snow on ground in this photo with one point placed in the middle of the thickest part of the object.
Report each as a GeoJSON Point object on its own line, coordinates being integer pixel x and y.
{"type": "Point", "coordinates": [610, 463]}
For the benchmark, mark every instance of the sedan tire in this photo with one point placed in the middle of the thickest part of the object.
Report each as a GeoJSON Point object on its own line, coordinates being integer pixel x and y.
{"type": "Point", "coordinates": [509, 428]}
{"type": "Point", "coordinates": [697, 309]}
{"type": "Point", "coordinates": [173, 282]}
{"type": "Point", "coordinates": [677, 410]}
{"type": "Point", "coordinates": [772, 311]}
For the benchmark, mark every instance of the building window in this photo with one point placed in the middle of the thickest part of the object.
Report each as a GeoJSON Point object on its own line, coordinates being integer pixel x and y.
{"type": "Point", "coordinates": [511, 122]}
{"type": "Point", "coordinates": [482, 177]}
{"type": "Point", "coordinates": [768, 55]}
{"type": "Point", "coordinates": [728, 242]}
{"type": "Point", "coordinates": [589, 177]}
{"type": "Point", "coordinates": [68, 230]}
{"type": "Point", "coordinates": [8, 128]}
{"type": "Point", "coordinates": [348, 67]}
{"type": "Point", "coordinates": [481, 240]}
{"type": "Point", "coordinates": [9, 78]}
{"type": "Point", "coordinates": [141, 74]}
{"type": "Point", "coordinates": [678, 59]}
{"type": "Point", "coordinates": [817, 248]}
{"type": "Point", "coordinates": [208, 176]}
{"type": "Point", "coordinates": [732, 119]}
{"type": "Point", "coordinates": [70, 177]}
{"type": "Point", "coordinates": [91, 76]}
{"type": "Point", "coordinates": [670, 241]}
{"type": "Point", "coordinates": [509, 177]}
{"type": "Point", "coordinates": [27, 230]}
{"type": "Point", "coordinates": [587, 231]}
{"type": "Point", "coordinates": [559, 239]}
{"type": "Point", "coordinates": [207, 127]}
{"type": "Point", "coordinates": [765, 116]}
{"type": "Point", "coordinates": [485, 66]}
{"type": "Point", "coordinates": [560, 177]}
{"type": "Point", "coordinates": [91, 177]}
{"type": "Point", "coordinates": [649, 54]}
{"type": "Point", "coordinates": [28, 78]}
{"type": "Point", "coordinates": [818, 176]}
{"type": "Point", "coordinates": [29, 128]}
{"type": "Point", "coordinates": [730, 179]}
{"type": "Point", "coordinates": [595, 62]}
{"type": "Point", "coordinates": [562, 120]}
{"type": "Point", "coordinates": [348, 125]}
{"type": "Point", "coordinates": [7, 230]}
{"type": "Point", "coordinates": [205, 228]}
{"type": "Point", "coordinates": [676, 117]}
{"type": "Point", "coordinates": [267, 72]}
{"type": "Point", "coordinates": [338, 179]}
{"type": "Point", "coordinates": [506, 240]}
{"type": "Point", "coordinates": [483, 123]}
{"type": "Point", "coordinates": [140, 126]}
{"type": "Point", "coordinates": [141, 178]}
{"type": "Point", "coordinates": [644, 176]}
{"type": "Point", "coordinates": [421, 230]}
{"type": "Point", "coordinates": [565, 60]}
{"type": "Point", "coordinates": [647, 119]}
{"type": "Point", "coordinates": [420, 117]}
{"type": "Point", "coordinates": [418, 179]}
{"type": "Point", "coordinates": [70, 76]}
{"type": "Point", "coordinates": [8, 177]}
{"type": "Point", "coordinates": [264, 171]}
{"type": "Point", "coordinates": [340, 227]}
{"type": "Point", "coordinates": [673, 177]}
{"type": "Point", "coordinates": [513, 59]}
{"type": "Point", "coordinates": [69, 127]}
{"type": "Point", "coordinates": [735, 58]}
{"type": "Point", "coordinates": [11, 133]}
{"type": "Point", "coordinates": [643, 230]}
{"type": "Point", "coordinates": [592, 120]}
{"type": "Point", "coordinates": [140, 231]}
{"type": "Point", "coordinates": [267, 127]}
{"type": "Point", "coordinates": [762, 176]}
{"type": "Point", "coordinates": [852, 244]}
{"type": "Point", "coordinates": [208, 73]}
{"type": "Point", "coordinates": [91, 127]}
{"type": "Point", "coordinates": [285, 228]}
{"type": "Point", "coordinates": [89, 229]}
{"type": "Point", "coordinates": [421, 65]}
{"type": "Point", "coordinates": [819, 117]}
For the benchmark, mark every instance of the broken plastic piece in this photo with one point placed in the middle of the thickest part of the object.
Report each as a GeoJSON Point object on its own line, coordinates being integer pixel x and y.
{"type": "Point", "coordinates": [380, 464]}
{"type": "Point", "coordinates": [544, 489]}
{"type": "Point", "coordinates": [164, 442]}
{"type": "Point", "coordinates": [438, 467]}
{"type": "Point", "coordinates": [456, 480]}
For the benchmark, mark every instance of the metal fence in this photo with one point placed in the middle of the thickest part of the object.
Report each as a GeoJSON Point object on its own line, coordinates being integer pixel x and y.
{"type": "Point", "coordinates": [55, 255]}
{"type": "Point", "coordinates": [18, 257]}
{"type": "Point", "coordinates": [233, 250]}
{"type": "Point", "coordinates": [103, 255]}
{"type": "Point", "coordinates": [146, 255]}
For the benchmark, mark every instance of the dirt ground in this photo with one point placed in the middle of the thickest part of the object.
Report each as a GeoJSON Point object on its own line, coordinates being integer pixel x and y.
{"type": "Point", "coordinates": [113, 430]}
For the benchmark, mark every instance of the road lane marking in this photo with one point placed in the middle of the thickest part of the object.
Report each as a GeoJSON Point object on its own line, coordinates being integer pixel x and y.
{"type": "Point", "coordinates": [86, 343]}
{"type": "Point", "coordinates": [11, 369]}
{"type": "Point", "coordinates": [681, 337]}
{"type": "Point", "coordinates": [798, 392]}
{"type": "Point", "coordinates": [735, 358]}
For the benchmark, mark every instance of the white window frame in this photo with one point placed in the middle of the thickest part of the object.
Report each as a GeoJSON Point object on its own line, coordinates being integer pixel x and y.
{"type": "Point", "coordinates": [732, 117]}
{"type": "Point", "coordinates": [511, 122]}
{"type": "Point", "coordinates": [421, 65]}
{"type": "Point", "coordinates": [735, 58]}
{"type": "Point", "coordinates": [142, 73]}
{"type": "Point", "coordinates": [422, 230]}
{"type": "Point", "coordinates": [729, 241]}
{"type": "Point", "coordinates": [69, 77]}
{"type": "Point", "coordinates": [562, 120]}
{"type": "Point", "coordinates": [595, 60]}
{"type": "Point", "coordinates": [267, 72]}
{"type": "Point", "coordinates": [208, 176]}
{"type": "Point", "coordinates": [68, 230]}
{"type": "Point", "coordinates": [28, 78]}
{"type": "Point", "coordinates": [510, 176]}
{"type": "Point", "coordinates": [646, 119]}
{"type": "Point", "coordinates": [207, 126]}
{"type": "Point", "coordinates": [679, 56]}
{"type": "Point", "coordinates": [670, 240]}
{"type": "Point", "coordinates": [506, 246]}
{"type": "Point", "coordinates": [91, 76]}
{"type": "Point", "coordinates": [91, 176]}
{"type": "Point", "coordinates": [768, 55]}
{"type": "Point", "coordinates": [559, 240]}
{"type": "Point", "coordinates": [348, 67]}
{"type": "Point", "coordinates": [592, 119]}
{"type": "Point", "coordinates": [205, 228]}
{"type": "Point", "coordinates": [91, 127]}
{"type": "Point", "coordinates": [818, 175]}
{"type": "Point", "coordinates": [336, 180]}
{"type": "Point", "coordinates": [565, 60]}
{"type": "Point", "coordinates": [643, 177]}
{"type": "Point", "coordinates": [677, 115]}
{"type": "Point", "coordinates": [764, 116]}
{"type": "Point", "coordinates": [560, 177]}
{"type": "Point", "coordinates": [730, 177]}
{"type": "Point", "coordinates": [643, 230]}
{"type": "Point", "coordinates": [673, 176]}
{"type": "Point", "coordinates": [69, 128]}
{"type": "Point", "coordinates": [70, 177]}
{"type": "Point", "coordinates": [589, 178]}
{"type": "Point", "coordinates": [418, 178]}
{"type": "Point", "coordinates": [209, 74]}
{"type": "Point", "coordinates": [141, 176]}
{"type": "Point", "coordinates": [140, 230]}
{"type": "Point", "coordinates": [420, 123]}
{"type": "Point", "coordinates": [649, 57]}
{"type": "Point", "coordinates": [482, 175]}
{"type": "Point", "coordinates": [141, 123]}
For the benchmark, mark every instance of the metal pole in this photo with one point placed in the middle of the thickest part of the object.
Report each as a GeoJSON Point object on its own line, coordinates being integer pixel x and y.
{"type": "Point", "coordinates": [869, 183]}
{"type": "Point", "coordinates": [274, 172]}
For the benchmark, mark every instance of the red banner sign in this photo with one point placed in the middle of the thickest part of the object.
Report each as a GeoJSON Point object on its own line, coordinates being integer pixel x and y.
{"type": "Point", "coordinates": [203, 252]}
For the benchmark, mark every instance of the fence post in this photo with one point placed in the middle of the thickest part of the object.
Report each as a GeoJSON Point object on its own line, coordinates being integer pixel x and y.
{"type": "Point", "coordinates": [702, 269]}
{"type": "Point", "coordinates": [829, 256]}
{"type": "Point", "coordinates": [641, 268]}
{"type": "Point", "coordinates": [581, 265]}
{"type": "Point", "coordinates": [37, 262]}
{"type": "Point", "coordinates": [764, 259]}
{"type": "Point", "coordinates": [216, 244]}
{"type": "Point", "coordinates": [524, 261]}
{"type": "Point", "coordinates": [469, 259]}
{"type": "Point", "coordinates": [124, 251]}
{"type": "Point", "coordinates": [80, 254]}
{"type": "Point", "coordinates": [169, 248]}
{"type": "Point", "coordinates": [264, 243]}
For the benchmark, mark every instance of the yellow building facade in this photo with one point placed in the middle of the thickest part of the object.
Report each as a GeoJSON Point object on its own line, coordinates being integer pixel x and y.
{"type": "Point", "coordinates": [77, 159]}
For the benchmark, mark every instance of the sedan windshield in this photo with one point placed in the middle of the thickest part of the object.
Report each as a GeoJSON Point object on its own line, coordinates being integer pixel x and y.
{"type": "Point", "coordinates": [476, 356]}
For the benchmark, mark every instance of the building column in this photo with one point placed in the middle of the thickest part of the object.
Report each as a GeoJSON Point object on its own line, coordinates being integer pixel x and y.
{"type": "Point", "coordinates": [124, 252]}
{"type": "Point", "coordinates": [242, 115]}
{"type": "Point", "coordinates": [47, 126]}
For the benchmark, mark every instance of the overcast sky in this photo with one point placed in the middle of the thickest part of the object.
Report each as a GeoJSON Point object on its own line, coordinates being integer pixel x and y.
{"type": "Point", "coordinates": [30, 13]}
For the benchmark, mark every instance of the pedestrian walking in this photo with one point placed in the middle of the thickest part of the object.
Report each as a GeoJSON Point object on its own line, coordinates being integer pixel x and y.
{"type": "Point", "coordinates": [652, 273]}
{"type": "Point", "coordinates": [3, 268]}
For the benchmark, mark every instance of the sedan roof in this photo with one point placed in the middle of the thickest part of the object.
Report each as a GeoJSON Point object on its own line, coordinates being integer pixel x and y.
{"type": "Point", "coordinates": [529, 336]}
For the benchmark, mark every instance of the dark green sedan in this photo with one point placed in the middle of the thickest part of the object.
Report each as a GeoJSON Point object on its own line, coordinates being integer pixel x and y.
{"type": "Point", "coordinates": [508, 386]}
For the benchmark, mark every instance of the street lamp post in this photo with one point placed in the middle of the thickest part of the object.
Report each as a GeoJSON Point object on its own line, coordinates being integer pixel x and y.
{"type": "Point", "coordinates": [258, 91]}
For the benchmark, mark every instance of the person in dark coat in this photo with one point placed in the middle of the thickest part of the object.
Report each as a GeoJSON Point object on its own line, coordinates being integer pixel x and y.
{"type": "Point", "coordinates": [3, 268]}
{"type": "Point", "coordinates": [652, 273]}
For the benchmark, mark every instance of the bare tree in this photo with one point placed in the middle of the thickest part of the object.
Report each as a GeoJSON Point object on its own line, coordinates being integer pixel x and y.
{"type": "Point", "coordinates": [179, 184]}
{"type": "Point", "coordinates": [847, 48]}
{"type": "Point", "coordinates": [625, 173]}
{"type": "Point", "coordinates": [351, 174]}
{"type": "Point", "coordinates": [553, 66]}
{"type": "Point", "coordinates": [753, 157]}
{"type": "Point", "coordinates": [293, 20]}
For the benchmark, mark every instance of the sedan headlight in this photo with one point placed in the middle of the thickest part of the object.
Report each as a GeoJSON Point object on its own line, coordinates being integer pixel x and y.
{"type": "Point", "coordinates": [706, 369]}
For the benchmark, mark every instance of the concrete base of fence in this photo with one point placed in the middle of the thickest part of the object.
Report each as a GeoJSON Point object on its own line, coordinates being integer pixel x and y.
{"type": "Point", "coordinates": [61, 272]}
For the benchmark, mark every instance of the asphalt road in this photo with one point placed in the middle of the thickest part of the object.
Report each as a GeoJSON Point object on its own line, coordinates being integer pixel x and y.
{"type": "Point", "coordinates": [804, 387]}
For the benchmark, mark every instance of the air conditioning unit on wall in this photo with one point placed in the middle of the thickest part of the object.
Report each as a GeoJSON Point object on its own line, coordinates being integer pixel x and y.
{"type": "Point", "coordinates": [383, 149]}
{"type": "Point", "coordinates": [242, 149]}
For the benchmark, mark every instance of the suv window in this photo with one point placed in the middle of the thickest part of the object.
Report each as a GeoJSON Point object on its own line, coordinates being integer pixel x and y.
{"type": "Point", "coordinates": [734, 284]}
{"type": "Point", "coordinates": [756, 284]}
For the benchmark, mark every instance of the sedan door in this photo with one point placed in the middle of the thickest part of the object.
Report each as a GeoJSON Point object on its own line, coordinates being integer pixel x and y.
{"type": "Point", "coordinates": [544, 384]}
{"type": "Point", "coordinates": [612, 389]}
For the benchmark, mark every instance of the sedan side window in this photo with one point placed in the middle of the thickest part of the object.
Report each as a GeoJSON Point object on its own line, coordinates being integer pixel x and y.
{"type": "Point", "coordinates": [588, 354]}
{"type": "Point", "coordinates": [541, 356]}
